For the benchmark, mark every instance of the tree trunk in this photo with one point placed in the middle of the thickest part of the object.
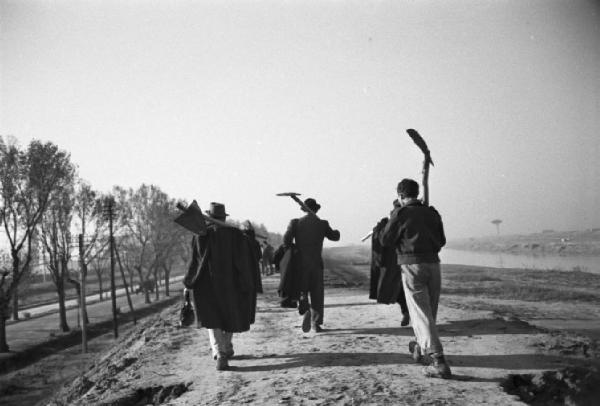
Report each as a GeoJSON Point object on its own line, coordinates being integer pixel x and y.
{"type": "Point", "coordinates": [144, 286]}
{"type": "Point", "coordinates": [15, 304]}
{"type": "Point", "coordinates": [100, 289]}
{"type": "Point", "coordinates": [62, 310]}
{"type": "Point", "coordinates": [131, 275]}
{"type": "Point", "coordinates": [84, 315]}
{"type": "Point", "coordinates": [167, 274]}
{"type": "Point", "coordinates": [156, 286]}
{"type": "Point", "coordinates": [15, 296]}
{"type": "Point", "coordinates": [3, 315]}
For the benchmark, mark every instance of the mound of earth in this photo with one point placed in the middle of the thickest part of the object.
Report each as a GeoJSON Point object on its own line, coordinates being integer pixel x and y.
{"type": "Point", "coordinates": [104, 383]}
{"type": "Point", "coordinates": [573, 386]}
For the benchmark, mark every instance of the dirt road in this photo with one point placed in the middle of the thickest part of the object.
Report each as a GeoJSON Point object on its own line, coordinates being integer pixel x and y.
{"type": "Point", "coordinates": [361, 358]}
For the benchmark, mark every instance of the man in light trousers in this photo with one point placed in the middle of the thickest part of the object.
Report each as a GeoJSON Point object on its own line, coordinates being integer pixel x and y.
{"type": "Point", "coordinates": [417, 233]}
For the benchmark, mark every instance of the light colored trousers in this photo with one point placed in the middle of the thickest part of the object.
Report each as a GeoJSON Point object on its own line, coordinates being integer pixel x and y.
{"type": "Point", "coordinates": [422, 284]}
{"type": "Point", "coordinates": [220, 342]}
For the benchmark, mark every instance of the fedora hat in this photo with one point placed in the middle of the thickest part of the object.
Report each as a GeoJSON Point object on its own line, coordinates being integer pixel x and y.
{"type": "Point", "coordinates": [312, 204]}
{"type": "Point", "coordinates": [217, 210]}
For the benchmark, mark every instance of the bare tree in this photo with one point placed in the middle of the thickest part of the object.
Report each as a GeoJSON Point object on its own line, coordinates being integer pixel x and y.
{"type": "Point", "coordinates": [57, 240]}
{"type": "Point", "coordinates": [99, 264]}
{"type": "Point", "coordinates": [167, 238]}
{"type": "Point", "coordinates": [135, 211]}
{"type": "Point", "coordinates": [28, 179]}
{"type": "Point", "coordinates": [497, 222]}
{"type": "Point", "coordinates": [88, 209]}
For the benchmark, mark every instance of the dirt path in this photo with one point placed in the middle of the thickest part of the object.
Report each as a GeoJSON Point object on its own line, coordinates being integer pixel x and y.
{"type": "Point", "coordinates": [361, 358]}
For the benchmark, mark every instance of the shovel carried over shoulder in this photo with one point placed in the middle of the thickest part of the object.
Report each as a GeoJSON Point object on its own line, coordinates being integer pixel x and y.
{"type": "Point", "coordinates": [295, 197]}
{"type": "Point", "coordinates": [195, 221]}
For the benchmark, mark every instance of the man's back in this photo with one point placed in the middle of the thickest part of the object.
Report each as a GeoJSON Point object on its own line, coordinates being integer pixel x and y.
{"type": "Point", "coordinates": [416, 231]}
{"type": "Point", "coordinates": [309, 231]}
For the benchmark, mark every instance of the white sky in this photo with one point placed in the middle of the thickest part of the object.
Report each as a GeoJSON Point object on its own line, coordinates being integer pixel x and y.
{"type": "Point", "coordinates": [237, 101]}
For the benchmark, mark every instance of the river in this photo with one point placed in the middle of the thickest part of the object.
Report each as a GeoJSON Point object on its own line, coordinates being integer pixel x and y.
{"type": "Point", "coordinates": [502, 260]}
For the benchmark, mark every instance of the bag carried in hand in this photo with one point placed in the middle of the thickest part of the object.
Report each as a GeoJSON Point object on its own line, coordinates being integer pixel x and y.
{"type": "Point", "coordinates": [186, 316]}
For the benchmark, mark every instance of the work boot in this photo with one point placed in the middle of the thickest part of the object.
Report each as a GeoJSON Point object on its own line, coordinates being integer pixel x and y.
{"type": "Point", "coordinates": [303, 305]}
{"type": "Point", "coordinates": [316, 328]}
{"type": "Point", "coordinates": [415, 351]}
{"type": "Point", "coordinates": [222, 364]}
{"type": "Point", "coordinates": [438, 368]}
{"type": "Point", "coordinates": [405, 319]}
{"type": "Point", "coordinates": [228, 354]}
{"type": "Point", "coordinates": [306, 322]}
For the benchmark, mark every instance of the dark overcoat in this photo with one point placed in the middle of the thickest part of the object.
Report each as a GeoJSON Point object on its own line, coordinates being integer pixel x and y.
{"type": "Point", "coordinates": [222, 274]}
{"type": "Point", "coordinates": [290, 278]}
{"type": "Point", "coordinates": [386, 274]}
{"type": "Point", "coordinates": [308, 233]}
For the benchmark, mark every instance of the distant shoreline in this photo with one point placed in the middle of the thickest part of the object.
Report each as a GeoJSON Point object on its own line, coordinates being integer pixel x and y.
{"type": "Point", "coordinates": [570, 243]}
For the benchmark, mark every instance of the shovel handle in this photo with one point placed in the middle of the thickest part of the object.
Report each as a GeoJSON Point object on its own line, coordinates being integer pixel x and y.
{"type": "Point", "coordinates": [303, 205]}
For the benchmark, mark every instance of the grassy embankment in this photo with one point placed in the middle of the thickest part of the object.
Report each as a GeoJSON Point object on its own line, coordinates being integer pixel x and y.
{"type": "Point", "coordinates": [41, 293]}
{"type": "Point", "coordinates": [521, 284]}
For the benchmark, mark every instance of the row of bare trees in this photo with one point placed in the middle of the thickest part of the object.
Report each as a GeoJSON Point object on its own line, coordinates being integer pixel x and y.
{"type": "Point", "coordinates": [45, 206]}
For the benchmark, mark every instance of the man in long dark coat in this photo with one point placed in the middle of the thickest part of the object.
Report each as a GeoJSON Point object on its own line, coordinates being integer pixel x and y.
{"type": "Point", "coordinates": [223, 277]}
{"type": "Point", "coordinates": [308, 233]}
{"type": "Point", "coordinates": [386, 274]}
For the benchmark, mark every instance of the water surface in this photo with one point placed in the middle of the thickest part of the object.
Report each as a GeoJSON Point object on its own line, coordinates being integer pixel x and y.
{"type": "Point", "coordinates": [503, 260]}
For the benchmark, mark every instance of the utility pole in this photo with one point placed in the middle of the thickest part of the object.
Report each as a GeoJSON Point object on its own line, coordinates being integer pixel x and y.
{"type": "Point", "coordinates": [126, 287]}
{"type": "Point", "coordinates": [84, 347]}
{"type": "Point", "coordinates": [109, 203]}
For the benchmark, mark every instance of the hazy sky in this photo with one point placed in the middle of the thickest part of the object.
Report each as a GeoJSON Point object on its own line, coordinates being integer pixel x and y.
{"type": "Point", "coordinates": [237, 101]}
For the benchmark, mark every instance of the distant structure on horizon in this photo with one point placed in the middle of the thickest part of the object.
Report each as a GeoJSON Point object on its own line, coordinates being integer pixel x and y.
{"type": "Point", "coordinates": [497, 222]}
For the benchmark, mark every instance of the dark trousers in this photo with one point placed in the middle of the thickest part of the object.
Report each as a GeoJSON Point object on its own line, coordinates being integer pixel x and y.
{"type": "Point", "coordinates": [313, 287]}
{"type": "Point", "coordinates": [402, 301]}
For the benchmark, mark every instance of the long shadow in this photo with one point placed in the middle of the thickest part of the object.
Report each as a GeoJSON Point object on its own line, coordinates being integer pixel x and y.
{"type": "Point", "coordinates": [453, 328]}
{"type": "Point", "coordinates": [485, 326]}
{"type": "Point", "coordinates": [326, 359]}
{"type": "Point", "coordinates": [342, 359]}
{"type": "Point", "coordinates": [331, 306]}
{"type": "Point", "coordinates": [48, 347]}
{"type": "Point", "coordinates": [514, 361]}
{"type": "Point", "coordinates": [393, 331]}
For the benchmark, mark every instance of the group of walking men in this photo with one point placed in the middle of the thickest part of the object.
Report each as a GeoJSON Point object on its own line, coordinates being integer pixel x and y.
{"type": "Point", "coordinates": [224, 274]}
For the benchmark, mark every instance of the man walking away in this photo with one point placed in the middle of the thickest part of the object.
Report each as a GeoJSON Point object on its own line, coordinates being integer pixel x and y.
{"type": "Point", "coordinates": [267, 258]}
{"type": "Point", "coordinates": [417, 233]}
{"type": "Point", "coordinates": [222, 274]}
{"type": "Point", "coordinates": [308, 233]}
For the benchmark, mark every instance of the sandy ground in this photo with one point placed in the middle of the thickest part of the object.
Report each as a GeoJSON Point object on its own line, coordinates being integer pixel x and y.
{"type": "Point", "coordinates": [360, 358]}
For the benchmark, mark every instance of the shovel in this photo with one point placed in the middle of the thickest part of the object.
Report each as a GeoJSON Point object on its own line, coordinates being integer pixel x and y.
{"type": "Point", "coordinates": [295, 197]}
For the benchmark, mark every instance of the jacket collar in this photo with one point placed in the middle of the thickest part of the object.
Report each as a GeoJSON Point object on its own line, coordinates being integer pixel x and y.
{"type": "Point", "coordinates": [413, 202]}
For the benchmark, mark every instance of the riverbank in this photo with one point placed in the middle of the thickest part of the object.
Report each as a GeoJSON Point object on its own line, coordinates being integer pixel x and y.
{"type": "Point", "coordinates": [568, 243]}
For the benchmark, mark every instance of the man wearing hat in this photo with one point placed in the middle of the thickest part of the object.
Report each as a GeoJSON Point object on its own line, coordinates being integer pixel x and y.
{"type": "Point", "coordinates": [308, 233]}
{"type": "Point", "coordinates": [417, 233]}
{"type": "Point", "coordinates": [223, 276]}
